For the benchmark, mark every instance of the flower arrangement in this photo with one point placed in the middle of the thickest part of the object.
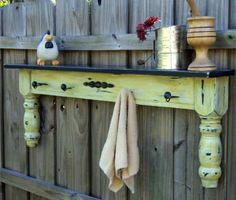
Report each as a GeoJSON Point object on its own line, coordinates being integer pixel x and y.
{"type": "Point", "coordinates": [142, 29]}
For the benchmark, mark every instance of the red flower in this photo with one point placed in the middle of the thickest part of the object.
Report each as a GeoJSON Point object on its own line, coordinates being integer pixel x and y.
{"type": "Point", "coordinates": [141, 31]}
{"type": "Point", "coordinates": [150, 21]}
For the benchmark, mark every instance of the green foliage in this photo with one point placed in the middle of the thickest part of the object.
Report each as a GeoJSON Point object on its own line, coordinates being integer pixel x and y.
{"type": "Point", "coordinates": [4, 2]}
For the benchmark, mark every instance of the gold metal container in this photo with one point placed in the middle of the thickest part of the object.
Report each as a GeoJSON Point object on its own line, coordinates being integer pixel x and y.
{"type": "Point", "coordinates": [170, 47]}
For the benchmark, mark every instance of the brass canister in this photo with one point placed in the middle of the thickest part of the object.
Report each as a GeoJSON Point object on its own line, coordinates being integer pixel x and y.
{"type": "Point", "coordinates": [170, 47]}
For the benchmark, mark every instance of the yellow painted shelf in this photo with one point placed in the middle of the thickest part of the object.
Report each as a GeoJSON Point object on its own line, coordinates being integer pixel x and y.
{"type": "Point", "coordinates": [204, 92]}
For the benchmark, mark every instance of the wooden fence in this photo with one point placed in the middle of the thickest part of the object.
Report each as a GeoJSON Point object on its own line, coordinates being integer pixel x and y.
{"type": "Point", "coordinates": [65, 164]}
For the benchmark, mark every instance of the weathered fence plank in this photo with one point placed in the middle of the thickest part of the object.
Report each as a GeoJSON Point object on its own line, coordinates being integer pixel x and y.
{"type": "Point", "coordinates": [220, 58]}
{"type": "Point", "coordinates": [82, 43]}
{"type": "Point", "coordinates": [168, 139]}
{"type": "Point", "coordinates": [72, 115]}
{"type": "Point", "coordinates": [118, 42]}
{"type": "Point", "coordinates": [113, 42]}
{"type": "Point", "coordinates": [187, 183]}
{"type": "Point", "coordinates": [39, 16]}
{"type": "Point", "coordinates": [193, 182]}
{"type": "Point", "coordinates": [180, 148]}
{"type": "Point", "coordinates": [1, 114]}
{"type": "Point", "coordinates": [232, 14]}
{"type": "Point", "coordinates": [15, 152]}
{"type": "Point", "coordinates": [219, 9]}
{"type": "Point", "coordinates": [155, 180]}
{"type": "Point", "coordinates": [181, 126]}
{"type": "Point", "coordinates": [109, 18]}
{"type": "Point", "coordinates": [40, 187]}
{"type": "Point", "coordinates": [231, 147]}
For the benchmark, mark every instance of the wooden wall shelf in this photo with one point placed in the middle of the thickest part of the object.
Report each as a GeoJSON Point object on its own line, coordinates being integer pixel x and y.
{"type": "Point", "coordinates": [204, 92]}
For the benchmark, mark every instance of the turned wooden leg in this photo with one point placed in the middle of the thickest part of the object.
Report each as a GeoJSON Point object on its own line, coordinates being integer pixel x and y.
{"type": "Point", "coordinates": [31, 120]}
{"type": "Point", "coordinates": [210, 150]}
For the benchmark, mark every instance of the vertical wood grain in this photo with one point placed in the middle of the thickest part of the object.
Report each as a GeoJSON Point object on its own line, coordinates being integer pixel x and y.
{"type": "Point", "coordinates": [72, 144]}
{"type": "Point", "coordinates": [168, 139]}
{"type": "Point", "coordinates": [15, 151]}
{"type": "Point", "coordinates": [219, 9]}
{"type": "Point", "coordinates": [40, 18]}
{"type": "Point", "coordinates": [182, 10]}
{"type": "Point", "coordinates": [1, 112]}
{"type": "Point", "coordinates": [232, 14]}
{"type": "Point", "coordinates": [231, 164]}
{"type": "Point", "coordinates": [109, 18]}
{"type": "Point", "coordinates": [180, 148]}
{"type": "Point", "coordinates": [155, 180]}
{"type": "Point", "coordinates": [72, 115]}
{"type": "Point", "coordinates": [186, 148]}
{"type": "Point", "coordinates": [184, 166]}
{"type": "Point", "coordinates": [220, 58]}
{"type": "Point", "coordinates": [193, 182]}
{"type": "Point", "coordinates": [139, 11]}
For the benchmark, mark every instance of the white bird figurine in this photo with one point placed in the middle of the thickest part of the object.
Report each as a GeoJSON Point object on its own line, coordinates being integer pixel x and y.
{"type": "Point", "coordinates": [47, 50]}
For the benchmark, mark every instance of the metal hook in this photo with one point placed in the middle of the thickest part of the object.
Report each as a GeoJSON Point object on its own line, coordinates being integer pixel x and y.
{"type": "Point", "coordinates": [64, 87]}
{"type": "Point", "coordinates": [35, 84]}
{"type": "Point", "coordinates": [168, 96]}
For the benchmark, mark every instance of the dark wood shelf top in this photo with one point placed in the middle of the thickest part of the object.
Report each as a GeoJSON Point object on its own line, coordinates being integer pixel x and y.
{"type": "Point", "coordinates": [123, 70]}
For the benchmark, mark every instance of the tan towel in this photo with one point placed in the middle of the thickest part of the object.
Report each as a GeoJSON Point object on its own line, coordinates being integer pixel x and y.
{"type": "Point", "coordinates": [120, 158]}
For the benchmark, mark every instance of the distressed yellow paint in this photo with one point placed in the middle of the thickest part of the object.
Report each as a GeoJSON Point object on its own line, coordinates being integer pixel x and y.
{"type": "Point", "coordinates": [211, 95]}
{"type": "Point", "coordinates": [207, 96]}
{"type": "Point", "coordinates": [148, 90]}
{"type": "Point", "coordinates": [31, 105]}
{"type": "Point", "coordinates": [31, 120]}
{"type": "Point", "coordinates": [210, 150]}
{"type": "Point", "coordinates": [25, 82]}
{"type": "Point", "coordinates": [211, 103]}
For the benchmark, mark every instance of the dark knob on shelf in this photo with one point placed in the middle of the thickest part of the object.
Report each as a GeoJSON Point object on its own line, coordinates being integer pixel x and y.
{"type": "Point", "coordinates": [104, 85]}
{"type": "Point", "coordinates": [64, 87]}
{"type": "Point", "coordinates": [91, 84]}
{"type": "Point", "coordinates": [98, 84]}
{"type": "Point", "coordinates": [168, 96]}
{"type": "Point", "coordinates": [35, 84]}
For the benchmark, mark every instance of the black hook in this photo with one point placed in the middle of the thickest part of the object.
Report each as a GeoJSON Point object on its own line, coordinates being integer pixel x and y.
{"type": "Point", "coordinates": [35, 84]}
{"type": "Point", "coordinates": [168, 96]}
{"type": "Point", "coordinates": [99, 2]}
{"type": "Point", "coordinates": [64, 87]}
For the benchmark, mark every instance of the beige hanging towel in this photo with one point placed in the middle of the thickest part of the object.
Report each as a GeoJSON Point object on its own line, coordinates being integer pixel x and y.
{"type": "Point", "coordinates": [120, 158]}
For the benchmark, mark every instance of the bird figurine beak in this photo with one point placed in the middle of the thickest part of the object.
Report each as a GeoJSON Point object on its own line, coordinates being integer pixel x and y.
{"type": "Point", "coordinates": [49, 38]}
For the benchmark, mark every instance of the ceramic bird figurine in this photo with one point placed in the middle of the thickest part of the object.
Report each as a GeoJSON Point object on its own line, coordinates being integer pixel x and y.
{"type": "Point", "coordinates": [47, 50]}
